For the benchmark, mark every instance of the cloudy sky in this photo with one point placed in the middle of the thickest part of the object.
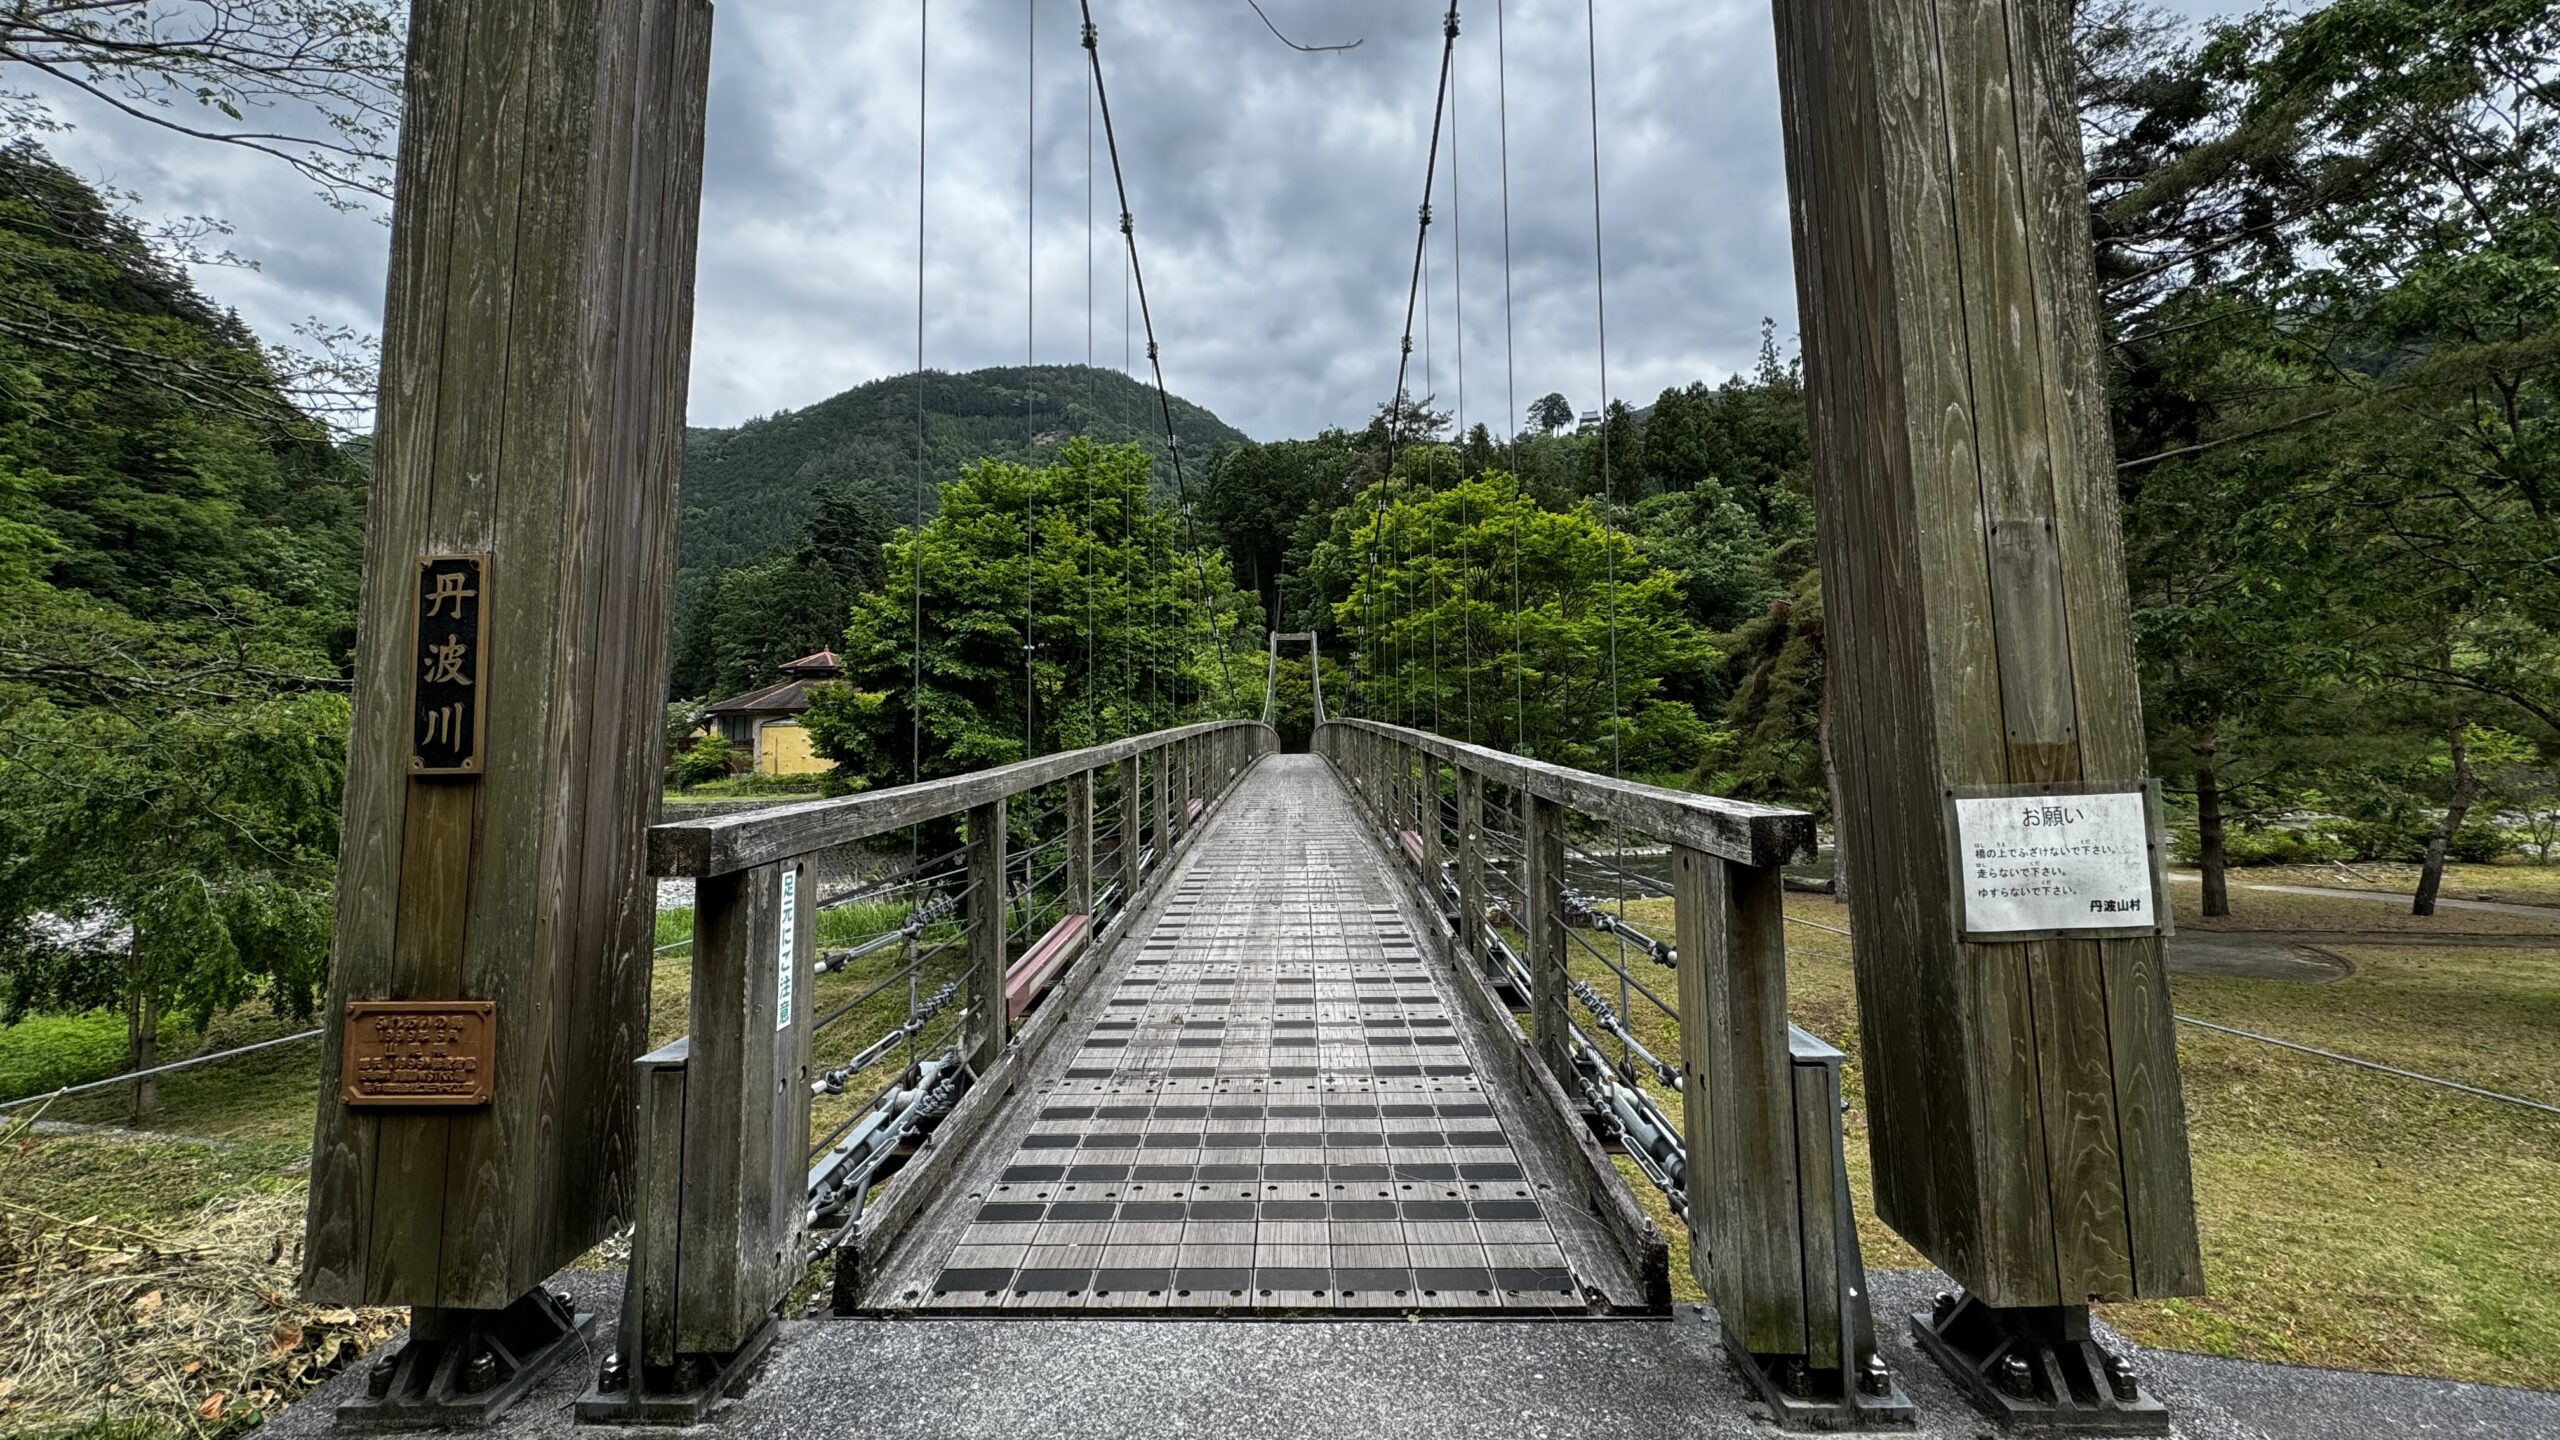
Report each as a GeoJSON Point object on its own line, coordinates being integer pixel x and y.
{"type": "Point", "coordinates": [1274, 194]}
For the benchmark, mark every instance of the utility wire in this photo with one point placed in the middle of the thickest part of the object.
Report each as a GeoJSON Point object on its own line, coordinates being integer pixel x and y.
{"type": "Point", "coordinates": [1146, 316]}
{"type": "Point", "coordinates": [1294, 45]}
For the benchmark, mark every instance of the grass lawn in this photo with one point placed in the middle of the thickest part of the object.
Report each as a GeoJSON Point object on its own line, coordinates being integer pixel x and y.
{"type": "Point", "coordinates": [2350, 1218]}
{"type": "Point", "coordinates": [2253, 909]}
{"type": "Point", "coordinates": [2514, 881]}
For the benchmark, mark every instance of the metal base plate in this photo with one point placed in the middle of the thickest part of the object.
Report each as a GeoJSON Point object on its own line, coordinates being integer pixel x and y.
{"type": "Point", "coordinates": [684, 1394]}
{"type": "Point", "coordinates": [463, 1368]}
{"type": "Point", "coordinates": [2036, 1370]}
{"type": "Point", "coordinates": [1818, 1401]}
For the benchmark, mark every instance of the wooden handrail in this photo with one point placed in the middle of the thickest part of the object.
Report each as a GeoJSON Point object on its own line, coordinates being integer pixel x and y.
{"type": "Point", "coordinates": [725, 844]}
{"type": "Point", "coordinates": [1735, 830]}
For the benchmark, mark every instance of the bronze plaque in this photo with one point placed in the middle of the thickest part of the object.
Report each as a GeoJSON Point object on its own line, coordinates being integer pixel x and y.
{"type": "Point", "coordinates": [449, 691]}
{"type": "Point", "coordinates": [420, 1053]}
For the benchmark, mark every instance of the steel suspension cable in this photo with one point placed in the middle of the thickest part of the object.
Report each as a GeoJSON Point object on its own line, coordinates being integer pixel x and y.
{"type": "Point", "coordinates": [1092, 407]}
{"type": "Point", "coordinates": [1608, 496]}
{"type": "Point", "coordinates": [1458, 267]}
{"type": "Point", "coordinates": [1030, 354]}
{"type": "Point", "coordinates": [1155, 354]}
{"type": "Point", "coordinates": [915, 543]}
{"type": "Point", "coordinates": [1510, 381]}
{"type": "Point", "coordinates": [1413, 295]}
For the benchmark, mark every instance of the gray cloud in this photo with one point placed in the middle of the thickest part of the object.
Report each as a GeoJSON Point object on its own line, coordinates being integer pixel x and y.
{"type": "Point", "coordinates": [1274, 194]}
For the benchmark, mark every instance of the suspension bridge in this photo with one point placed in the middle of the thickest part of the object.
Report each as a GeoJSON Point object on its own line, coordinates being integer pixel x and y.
{"type": "Point", "coordinates": [1181, 1028]}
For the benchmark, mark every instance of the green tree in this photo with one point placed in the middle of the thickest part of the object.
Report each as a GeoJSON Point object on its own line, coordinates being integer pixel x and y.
{"type": "Point", "coordinates": [177, 561]}
{"type": "Point", "coordinates": [1430, 603]}
{"type": "Point", "coordinates": [1550, 412]}
{"type": "Point", "coordinates": [1256, 495]}
{"type": "Point", "coordinates": [1130, 629]}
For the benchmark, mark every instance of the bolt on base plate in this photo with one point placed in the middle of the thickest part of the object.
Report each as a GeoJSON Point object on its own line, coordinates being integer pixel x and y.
{"type": "Point", "coordinates": [2036, 1368]}
{"type": "Point", "coordinates": [465, 1367]}
{"type": "Point", "coordinates": [681, 1394]}
{"type": "Point", "coordinates": [1803, 1399]}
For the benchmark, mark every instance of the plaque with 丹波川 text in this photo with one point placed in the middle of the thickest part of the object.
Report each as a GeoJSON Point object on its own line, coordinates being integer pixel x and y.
{"type": "Point", "coordinates": [2058, 861]}
{"type": "Point", "coordinates": [449, 690]}
{"type": "Point", "coordinates": [413, 1053]}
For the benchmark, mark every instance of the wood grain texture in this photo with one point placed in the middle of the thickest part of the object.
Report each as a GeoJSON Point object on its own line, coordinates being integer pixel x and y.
{"type": "Point", "coordinates": [1743, 1174]}
{"type": "Point", "coordinates": [2024, 1117]}
{"type": "Point", "coordinates": [1080, 844]}
{"type": "Point", "coordinates": [1542, 823]}
{"type": "Point", "coordinates": [983, 912]}
{"type": "Point", "coordinates": [1814, 1107]}
{"type": "Point", "coordinates": [1471, 866]}
{"type": "Point", "coordinates": [649, 1299]}
{"type": "Point", "coordinates": [337, 1244]}
{"type": "Point", "coordinates": [536, 335]}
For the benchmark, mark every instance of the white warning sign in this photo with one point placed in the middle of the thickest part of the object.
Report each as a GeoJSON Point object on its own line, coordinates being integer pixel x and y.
{"type": "Point", "coordinates": [2038, 864]}
{"type": "Point", "coordinates": [786, 959]}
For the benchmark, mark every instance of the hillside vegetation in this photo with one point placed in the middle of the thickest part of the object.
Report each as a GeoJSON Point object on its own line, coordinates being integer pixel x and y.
{"type": "Point", "coordinates": [748, 491]}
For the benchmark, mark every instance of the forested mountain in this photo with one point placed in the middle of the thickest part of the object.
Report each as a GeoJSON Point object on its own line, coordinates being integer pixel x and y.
{"type": "Point", "coordinates": [749, 491]}
{"type": "Point", "coordinates": [178, 557]}
{"type": "Point", "coordinates": [784, 516]}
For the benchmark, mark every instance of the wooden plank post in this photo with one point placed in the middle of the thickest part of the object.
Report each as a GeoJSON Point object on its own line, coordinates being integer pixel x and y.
{"type": "Point", "coordinates": [1471, 865]}
{"type": "Point", "coordinates": [984, 914]}
{"type": "Point", "coordinates": [1161, 800]}
{"type": "Point", "coordinates": [536, 335]}
{"type": "Point", "coordinates": [1549, 1011]}
{"type": "Point", "coordinates": [2026, 1124]}
{"type": "Point", "coordinates": [1739, 1099]}
{"type": "Point", "coordinates": [1132, 821]}
{"type": "Point", "coordinates": [1433, 847]}
{"type": "Point", "coordinates": [743, 1210]}
{"type": "Point", "coordinates": [1080, 843]}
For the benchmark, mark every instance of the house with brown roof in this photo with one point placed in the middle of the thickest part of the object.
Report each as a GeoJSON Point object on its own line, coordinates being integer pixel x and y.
{"type": "Point", "coordinates": [765, 723]}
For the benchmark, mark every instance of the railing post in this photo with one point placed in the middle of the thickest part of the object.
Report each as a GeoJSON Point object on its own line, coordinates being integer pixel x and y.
{"type": "Point", "coordinates": [1132, 822]}
{"type": "Point", "coordinates": [1471, 865]}
{"type": "Point", "coordinates": [1543, 835]}
{"type": "Point", "coordinates": [1733, 1040]}
{"type": "Point", "coordinates": [1431, 845]}
{"type": "Point", "coordinates": [1162, 804]}
{"type": "Point", "coordinates": [1080, 843]}
{"type": "Point", "coordinates": [720, 1215]}
{"type": "Point", "coordinates": [986, 913]}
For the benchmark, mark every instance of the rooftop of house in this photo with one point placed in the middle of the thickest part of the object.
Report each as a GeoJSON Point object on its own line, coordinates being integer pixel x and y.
{"type": "Point", "coordinates": [787, 696]}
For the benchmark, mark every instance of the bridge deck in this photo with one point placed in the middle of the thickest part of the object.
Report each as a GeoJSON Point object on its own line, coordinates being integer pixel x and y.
{"type": "Point", "coordinates": [1274, 1103]}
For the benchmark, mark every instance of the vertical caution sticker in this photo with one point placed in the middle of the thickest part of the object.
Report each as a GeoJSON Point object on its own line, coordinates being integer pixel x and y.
{"type": "Point", "coordinates": [787, 966]}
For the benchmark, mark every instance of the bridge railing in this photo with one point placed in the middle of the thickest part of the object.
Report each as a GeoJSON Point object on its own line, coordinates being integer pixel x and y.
{"type": "Point", "coordinates": [963, 981]}
{"type": "Point", "coordinates": [1753, 1161]}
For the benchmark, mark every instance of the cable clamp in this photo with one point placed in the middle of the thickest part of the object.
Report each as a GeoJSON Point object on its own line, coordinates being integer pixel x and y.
{"type": "Point", "coordinates": [1091, 35]}
{"type": "Point", "coordinates": [1449, 27]}
{"type": "Point", "coordinates": [1125, 222]}
{"type": "Point", "coordinates": [1426, 214]}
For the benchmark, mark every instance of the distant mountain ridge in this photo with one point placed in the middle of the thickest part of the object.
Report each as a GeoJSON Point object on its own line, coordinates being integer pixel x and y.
{"type": "Point", "coordinates": [747, 490]}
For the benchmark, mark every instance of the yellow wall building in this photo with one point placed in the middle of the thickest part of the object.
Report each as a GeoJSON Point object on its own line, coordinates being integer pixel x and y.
{"type": "Point", "coordinates": [766, 723]}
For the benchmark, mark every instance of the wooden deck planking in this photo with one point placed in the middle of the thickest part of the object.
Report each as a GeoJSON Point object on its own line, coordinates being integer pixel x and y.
{"type": "Point", "coordinates": [1273, 1104]}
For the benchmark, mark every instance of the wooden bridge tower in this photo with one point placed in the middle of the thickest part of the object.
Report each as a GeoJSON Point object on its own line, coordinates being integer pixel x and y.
{"type": "Point", "coordinates": [490, 982]}
{"type": "Point", "coordinates": [2021, 1065]}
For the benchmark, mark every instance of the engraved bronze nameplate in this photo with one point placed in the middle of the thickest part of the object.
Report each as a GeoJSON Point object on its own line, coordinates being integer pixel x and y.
{"type": "Point", "coordinates": [420, 1053]}
{"type": "Point", "coordinates": [449, 688]}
